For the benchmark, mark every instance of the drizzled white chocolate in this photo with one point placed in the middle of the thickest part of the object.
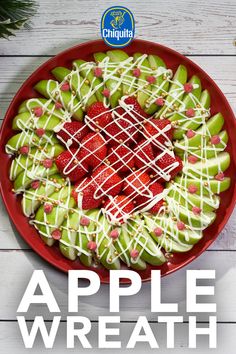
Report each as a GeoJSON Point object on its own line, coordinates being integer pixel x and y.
{"type": "Point", "coordinates": [174, 194]}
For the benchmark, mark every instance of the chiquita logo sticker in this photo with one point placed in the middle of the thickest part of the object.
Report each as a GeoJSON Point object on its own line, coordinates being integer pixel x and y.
{"type": "Point", "coordinates": [117, 26]}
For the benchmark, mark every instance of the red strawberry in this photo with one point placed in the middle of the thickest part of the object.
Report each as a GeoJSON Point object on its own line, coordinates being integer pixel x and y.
{"type": "Point", "coordinates": [106, 179]}
{"type": "Point", "coordinates": [178, 168]}
{"type": "Point", "coordinates": [143, 153]}
{"type": "Point", "coordinates": [121, 130]}
{"type": "Point", "coordinates": [121, 158]}
{"type": "Point", "coordinates": [68, 164]}
{"type": "Point", "coordinates": [158, 131]}
{"type": "Point", "coordinates": [166, 164]}
{"type": "Point", "coordinates": [137, 114]}
{"type": "Point", "coordinates": [75, 131]}
{"type": "Point", "coordinates": [136, 183]}
{"type": "Point", "coordinates": [153, 189]}
{"type": "Point", "coordinates": [87, 189]}
{"type": "Point", "coordinates": [119, 208]}
{"type": "Point", "coordinates": [93, 149]}
{"type": "Point", "coordinates": [98, 115]}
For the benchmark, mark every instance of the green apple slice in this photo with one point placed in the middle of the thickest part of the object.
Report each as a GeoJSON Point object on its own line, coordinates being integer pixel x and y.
{"type": "Point", "coordinates": [79, 85]}
{"type": "Point", "coordinates": [67, 243]}
{"type": "Point", "coordinates": [155, 62]}
{"type": "Point", "coordinates": [128, 80]}
{"type": "Point", "coordinates": [170, 242]}
{"type": "Point", "coordinates": [51, 89]}
{"type": "Point", "coordinates": [160, 86]}
{"type": "Point", "coordinates": [24, 179]}
{"type": "Point", "coordinates": [29, 138]}
{"type": "Point", "coordinates": [47, 223]}
{"type": "Point", "coordinates": [189, 99]}
{"type": "Point", "coordinates": [212, 150]}
{"type": "Point", "coordinates": [204, 187]}
{"type": "Point", "coordinates": [75, 237]}
{"type": "Point", "coordinates": [110, 83]}
{"type": "Point", "coordinates": [85, 236]}
{"type": "Point", "coordinates": [212, 127]}
{"type": "Point", "coordinates": [200, 222]}
{"type": "Point", "coordinates": [196, 221]}
{"type": "Point", "coordinates": [208, 167]}
{"type": "Point", "coordinates": [124, 246]}
{"type": "Point", "coordinates": [23, 162]}
{"type": "Point", "coordinates": [195, 122]}
{"type": "Point", "coordinates": [32, 197]}
{"type": "Point", "coordinates": [175, 94]}
{"type": "Point", "coordinates": [144, 244]}
{"type": "Point", "coordinates": [86, 71]}
{"type": "Point", "coordinates": [169, 227]}
{"type": "Point", "coordinates": [106, 252]}
{"type": "Point", "coordinates": [189, 200]}
{"type": "Point", "coordinates": [35, 155]}
{"type": "Point", "coordinates": [145, 89]}
{"type": "Point", "coordinates": [24, 120]}
{"type": "Point", "coordinates": [31, 103]}
{"type": "Point", "coordinates": [99, 57]}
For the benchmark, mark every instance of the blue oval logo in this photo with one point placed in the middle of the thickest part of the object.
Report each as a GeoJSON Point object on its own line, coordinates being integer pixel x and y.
{"type": "Point", "coordinates": [117, 26]}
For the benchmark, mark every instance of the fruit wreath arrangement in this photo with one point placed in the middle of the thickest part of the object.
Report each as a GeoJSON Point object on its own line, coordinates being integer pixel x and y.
{"type": "Point", "coordinates": [120, 160]}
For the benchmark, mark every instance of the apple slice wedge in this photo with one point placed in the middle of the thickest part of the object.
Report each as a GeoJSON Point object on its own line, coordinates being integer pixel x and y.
{"type": "Point", "coordinates": [212, 127]}
{"type": "Point", "coordinates": [29, 138]}
{"type": "Point", "coordinates": [34, 156]}
{"type": "Point", "coordinates": [106, 251]}
{"type": "Point", "coordinates": [168, 241]}
{"type": "Point", "coordinates": [144, 244]}
{"type": "Point", "coordinates": [78, 83]}
{"type": "Point", "coordinates": [124, 245]}
{"type": "Point", "coordinates": [51, 89]}
{"type": "Point", "coordinates": [176, 92]}
{"type": "Point", "coordinates": [86, 70]}
{"type": "Point", "coordinates": [47, 223]}
{"type": "Point", "coordinates": [204, 186]}
{"type": "Point", "coordinates": [195, 122]}
{"type": "Point", "coordinates": [208, 167]}
{"type": "Point", "coordinates": [32, 197]}
{"type": "Point", "coordinates": [110, 78]}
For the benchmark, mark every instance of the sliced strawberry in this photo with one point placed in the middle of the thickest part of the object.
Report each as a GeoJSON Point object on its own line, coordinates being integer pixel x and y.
{"type": "Point", "coordinates": [87, 190]}
{"type": "Point", "coordinates": [137, 114]}
{"type": "Point", "coordinates": [69, 165]}
{"type": "Point", "coordinates": [153, 189]}
{"type": "Point", "coordinates": [93, 149]}
{"type": "Point", "coordinates": [74, 131]}
{"type": "Point", "coordinates": [119, 208]}
{"type": "Point", "coordinates": [159, 131]}
{"type": "Point", "coordinates": [106, 179]}
{"type": "Point", "coordinates": [143, 153]}
{"type": "Point", "coordinates": [98, 115]}
{"type": "Point", "coordinates": [121, 130]}
{"type": "Point", "coordinates": [167, 164]}
{"type": "Point", "coordinates": [136, 183]}
{"type": "Point", "coordinates": [121, 158]}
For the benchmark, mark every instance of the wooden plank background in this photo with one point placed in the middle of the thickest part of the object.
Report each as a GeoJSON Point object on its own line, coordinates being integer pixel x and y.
{"type": "Point", "coordinates": [206, 32]}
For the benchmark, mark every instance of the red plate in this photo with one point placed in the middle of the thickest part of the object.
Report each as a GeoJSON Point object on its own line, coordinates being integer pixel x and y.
{"type": "Point", "coordinates": [85, 51]}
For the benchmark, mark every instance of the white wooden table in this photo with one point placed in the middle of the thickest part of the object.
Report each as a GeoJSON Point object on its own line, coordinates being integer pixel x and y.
{"type": "Point", "coordinates": [203, 30]}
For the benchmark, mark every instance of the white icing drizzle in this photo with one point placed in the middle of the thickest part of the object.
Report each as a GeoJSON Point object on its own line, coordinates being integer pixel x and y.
{"type": "Point", "coordinates": [173, 194]}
